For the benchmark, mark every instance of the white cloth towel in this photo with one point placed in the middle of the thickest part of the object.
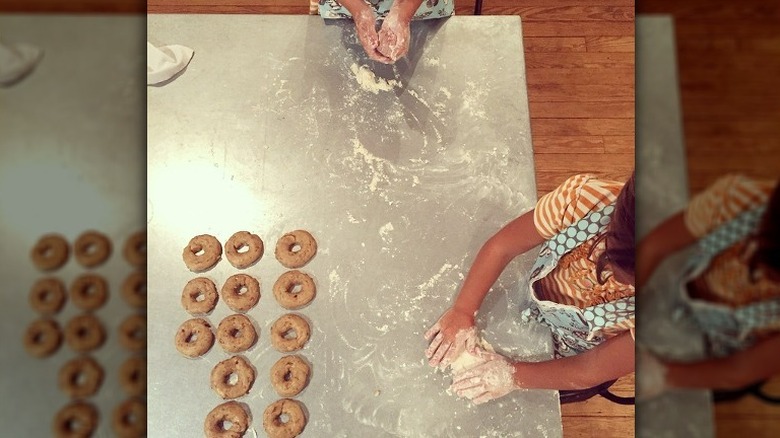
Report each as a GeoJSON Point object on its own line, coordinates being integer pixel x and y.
{"type": "Point", "coordinates": [17, 61]}
{"type": "Point", "coordinates": [165, 62]}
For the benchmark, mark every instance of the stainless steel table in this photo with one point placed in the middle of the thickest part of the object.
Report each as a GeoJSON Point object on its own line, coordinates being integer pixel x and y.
{"type": "Point", "coordinates": [71, 159]}
{"type": "Point", "coordinates": [663, 186]}
{"type": "Point", "coordinates": [401, 173]}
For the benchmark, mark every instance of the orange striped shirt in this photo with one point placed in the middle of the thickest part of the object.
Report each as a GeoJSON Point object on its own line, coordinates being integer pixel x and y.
{"type": "Point", "coordinates": [727, 279]}
{"type": "Point", "coordinates": [573, 281]}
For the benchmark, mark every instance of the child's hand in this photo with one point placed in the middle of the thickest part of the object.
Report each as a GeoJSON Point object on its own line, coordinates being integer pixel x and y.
{"type": "Point", "coordinates": [394, 37]}
{"type": "Point", "coordinates": [491, 380]}
{"type": "Point", "coordinates": [365, 24]}
{"type": "Point", "coordinates": [450, 336]}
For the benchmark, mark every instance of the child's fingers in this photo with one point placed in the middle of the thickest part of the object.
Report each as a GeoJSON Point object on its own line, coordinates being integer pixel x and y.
{"type": "Point", "coordinates": [483, 398]}
{"type": "Point", "coordinates": [471, 342]}
{"type": "Point", "coordinates": [434, 345]}
{"type": "Point", "coordinates": [432, 332]}
{"type": "Point", "coordinates": [487, 355]}
{"type": "Point", "coordinates": [466, 383]}
{"type": "Point", "coordinates": [447, 359]}
{"type": "Point", "coordinates": [436, 359]}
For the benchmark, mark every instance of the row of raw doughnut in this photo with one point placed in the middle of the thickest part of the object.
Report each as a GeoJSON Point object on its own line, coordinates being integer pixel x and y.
{"type": "Point", "coordinates": [88, 292]}
{"type": "Point", "coordinates": [91, 249]}
{"type": "Point", "coordinates": [237, 415]}
{"type": "Point", "coordinates": [83, 333]}
{"type": "Point", "coordinates": [236, 333]}
{"type": "Point", "coordinates": [243, 249]}
{"type": "Point", "coordinates": [241, 292]}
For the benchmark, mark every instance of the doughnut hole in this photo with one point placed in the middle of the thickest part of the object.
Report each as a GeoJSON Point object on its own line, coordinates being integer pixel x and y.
{"type": "Point", "coordinates": [290, 333]}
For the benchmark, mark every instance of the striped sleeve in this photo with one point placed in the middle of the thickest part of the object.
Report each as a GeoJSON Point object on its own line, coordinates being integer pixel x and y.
{"type": "Point", "coordinates": [571, 201]}
{"type": "Point", "coordinates": [722, 201]}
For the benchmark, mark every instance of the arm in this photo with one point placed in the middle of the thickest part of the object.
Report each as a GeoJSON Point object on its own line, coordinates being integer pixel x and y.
{"type": "Point", "coordinates": [515, 238]}
{"type": "Point", "coordinates": [739, 370]}
{"type": "Point", "coordinates": [499, 376]}
{"type": "Point", "coordinates": [669, 237]}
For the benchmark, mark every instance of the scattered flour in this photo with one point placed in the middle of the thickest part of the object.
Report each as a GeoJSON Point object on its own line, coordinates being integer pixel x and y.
{"type": "Point", "coordinates": [384, 232]}
{"type": "Point", "coordinates": [352, 219]}
{"type": "Point", "coordinates": [370, 82]}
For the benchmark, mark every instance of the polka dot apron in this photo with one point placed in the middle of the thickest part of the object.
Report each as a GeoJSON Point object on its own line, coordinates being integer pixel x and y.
{"type": "Point", "coordinates": [428, 9]}
{"type": "Point", "coordinates": [726, 329]}
{"type": "Point", "coordinates": [574, 330]}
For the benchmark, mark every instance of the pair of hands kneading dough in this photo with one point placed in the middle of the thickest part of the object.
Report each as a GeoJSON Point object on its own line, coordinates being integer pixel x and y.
{"type": "Point", "coordinates": [390, 43]}
{"type": "Point", "coordinates": [478, 372]}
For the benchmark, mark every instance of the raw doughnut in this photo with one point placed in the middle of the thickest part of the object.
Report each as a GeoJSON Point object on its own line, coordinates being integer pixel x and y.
{"type": "Point", "coordinates": [135, 249]}
{"type": "Point", "coordinates": [289, 375]}
{"type": "Point", "coordinates": [241, 292]}
{"type": "Point", "coordinates": [89, 292]}
{"type": "Point", "coordinates": [84, 333]}
{"type": "Point", "coordinates": [91, 249]}
{"type": "Point", "coordinates": [47, 296]}
{"type": "Point", "coordinates": [289, 333]}
{"type": "Point", "coordinates": [295, 249]}
{"type": "Point", "coordinates": [272, 419]}
{"type": "Point", "coordinates": [42, 338]}
{"type": "Point", "coordinates": [294, 290]}
{"type": "Point", "coordinates": [132, 332]}
{"type": "Point", "coordinates": [81, 377]}
{"type": "Point", "coordinates": [244, 259]}
{"type": "Point", "coordinates": [202, 253]}
{"type": "Point", "coordinates": [76, 420]}
{"type": "Point", "coordinates": [130, 419]}
{"type": "Point", "coordinates": [134, 289]}
{"type": "Point", "coordinates": [192, 293]}
{"type": "Point", "coordinates": [50, 252]}
{"type": "Point", "coordinates": [222, 377]}
{"type": "Point", "coordinates": [236, 333]}
{"type": "Point", "coordinates": [194, 337]}
{"type": "Point", "coordinates": [132, 375]}
{"type": "Point", "coordinates": [231, 412]}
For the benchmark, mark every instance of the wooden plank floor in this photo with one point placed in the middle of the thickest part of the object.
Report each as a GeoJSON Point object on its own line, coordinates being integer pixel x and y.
{"type": "Point", "coordinates": [580, 72]}
{"type": "Point", "coordinates": [729, 62]}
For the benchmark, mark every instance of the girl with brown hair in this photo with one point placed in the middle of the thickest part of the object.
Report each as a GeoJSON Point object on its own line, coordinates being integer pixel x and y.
{"type": "Point", "coordinates": [581, 288]}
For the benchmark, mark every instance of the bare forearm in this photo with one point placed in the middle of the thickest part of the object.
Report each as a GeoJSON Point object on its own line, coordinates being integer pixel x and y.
{"type": "Point", "coordinates": [608, 361]}
{"type": "Point", "coordinates": [757, 363]}
{"type": "Point", "coordinates": [487, 267]}
{"type": "Point", "coordinates": [515, 238]}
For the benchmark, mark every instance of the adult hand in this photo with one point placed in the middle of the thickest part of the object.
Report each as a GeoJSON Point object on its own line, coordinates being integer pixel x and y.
{"type": "Point", "coordinates": [451, 335]}
{"type": "Point", "coordinates": [394, 37]}
{"type": "Point", "coordinates": [489, 381]}
{"type": "Point", "coordinates": [365, 25]}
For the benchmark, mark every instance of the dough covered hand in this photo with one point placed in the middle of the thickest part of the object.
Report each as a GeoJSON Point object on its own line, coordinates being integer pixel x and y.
{"type": "Point", "coordinates": [452, 334]}
{"type": "Point", "coordinates": [489, 381]}
{"type": "Point", "coordinates": [394, 37]}
{"type": "Point", "coordinates": [365, 25]}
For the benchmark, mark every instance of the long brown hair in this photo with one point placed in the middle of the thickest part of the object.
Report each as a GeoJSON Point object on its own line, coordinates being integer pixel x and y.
{"type": "Point", "coordinates": [619, 237]}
